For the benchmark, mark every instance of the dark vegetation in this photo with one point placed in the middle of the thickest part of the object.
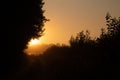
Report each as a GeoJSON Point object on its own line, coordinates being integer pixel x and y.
{"type": "Point", "coordinates": [84, 59]}
{"type": "Point", "coordinates": [21, 20]}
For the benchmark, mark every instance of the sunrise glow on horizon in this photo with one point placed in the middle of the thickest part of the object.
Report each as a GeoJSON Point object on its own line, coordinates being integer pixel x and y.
{"type": "Point", "coordinates": [74, 16]}
{"type": "Point", "coordinates": [69, 17]}
{"type": "Point", "coordinates": [34, 42]}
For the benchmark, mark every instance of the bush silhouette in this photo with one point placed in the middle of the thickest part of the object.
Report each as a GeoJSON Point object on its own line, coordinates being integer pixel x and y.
{"type": "Point", "coordinates": [109, 39]}
{"type": "Point", "coordinates": [21, 21]}
{"type": "Point", "coordinates": [85, 58]}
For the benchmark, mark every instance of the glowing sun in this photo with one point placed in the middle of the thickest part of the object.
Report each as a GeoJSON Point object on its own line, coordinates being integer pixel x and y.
{"type": "Point", "coordinates": [34, 42]}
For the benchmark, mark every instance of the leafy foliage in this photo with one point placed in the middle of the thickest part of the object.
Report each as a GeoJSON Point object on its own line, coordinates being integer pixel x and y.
{"type": "Point", "coordinates": [80, 39]}
{"type": "Point", "coordinates": [84, 59]}
{"type": "Point", "coordinates": [110, 38]}
{"type": "Point", "coordinates": [21, 20]}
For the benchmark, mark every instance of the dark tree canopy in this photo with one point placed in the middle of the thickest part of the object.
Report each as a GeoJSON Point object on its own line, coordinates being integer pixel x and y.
{"type": "Point", "coordinates": [86, 58]}
{"type": "Point", "coordinates": [29, 20]}
{"type": "Point", "coordinates": [110, 38]}
{"type": "Point", "coordinates": [21, 20]}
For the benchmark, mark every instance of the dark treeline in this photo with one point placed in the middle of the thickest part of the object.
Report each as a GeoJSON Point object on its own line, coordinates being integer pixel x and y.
{"type": "Point", "coordinates": [84, 59]}
{"type": "Point", "coordinates": [20, 20]}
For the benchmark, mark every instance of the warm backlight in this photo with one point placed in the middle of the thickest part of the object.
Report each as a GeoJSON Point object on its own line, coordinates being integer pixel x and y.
{"type": "Point", "coordinates": [35, 47]}
{"type": "Point", "coordinates": [34, 42]}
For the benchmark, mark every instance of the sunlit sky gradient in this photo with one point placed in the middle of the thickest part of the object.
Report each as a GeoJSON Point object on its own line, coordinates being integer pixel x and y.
{"type": "Point", "coordinates": [68, 17]}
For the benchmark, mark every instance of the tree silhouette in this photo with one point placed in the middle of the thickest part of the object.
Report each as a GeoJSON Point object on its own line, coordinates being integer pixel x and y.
{"type": "Point", "coordinates": [86, 58]}
{"type": "Point", "coordinates": [109, 39]}
{"type": "Point", "coordinates": [21, 21]}
{"type": "Point", "coordinates": [82, 39]}
{"type": "Point", "coordinates": [109, 45]}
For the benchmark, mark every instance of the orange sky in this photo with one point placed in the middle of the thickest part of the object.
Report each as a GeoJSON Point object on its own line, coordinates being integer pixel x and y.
{"type": "Point", "coordinates": [68, 17]}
